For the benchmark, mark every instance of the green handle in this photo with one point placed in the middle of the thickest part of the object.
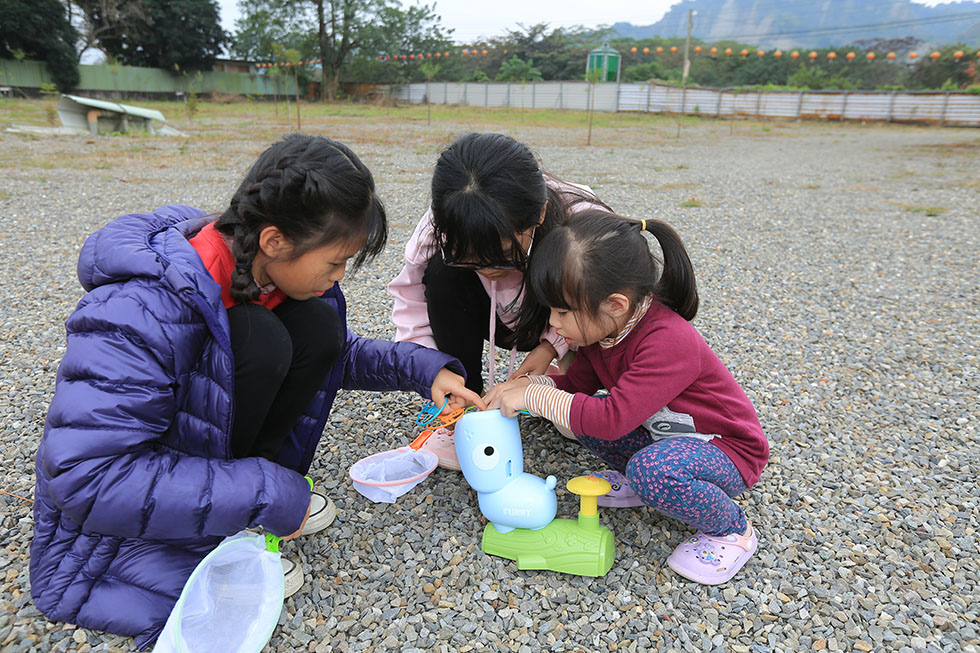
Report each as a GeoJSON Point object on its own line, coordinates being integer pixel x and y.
{"type": "Point", "coordinates": [272, 543]}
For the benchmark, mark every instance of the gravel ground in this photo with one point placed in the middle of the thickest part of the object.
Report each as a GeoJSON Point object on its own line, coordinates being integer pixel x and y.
{"type": "Point", "coordinates": [838, 268]}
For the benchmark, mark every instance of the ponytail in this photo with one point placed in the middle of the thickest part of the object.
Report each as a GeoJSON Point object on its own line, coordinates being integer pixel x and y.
{"type": "Point", "coordinates": [597, 253]}
{"type": "Point", "coordinates": [677, 287]}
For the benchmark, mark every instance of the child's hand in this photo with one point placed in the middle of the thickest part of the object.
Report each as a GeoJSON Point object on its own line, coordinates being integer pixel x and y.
{"type": "Point", "coordinates": [509, 401]}
{"type": "Point", "coordinates": [492, 398]}
{"type": "Point", "coordinates": [537, 360]}
{"type": "Point", "coordinates": [452, 385]}
{"type": "Point", "coordinates": [293, 536]}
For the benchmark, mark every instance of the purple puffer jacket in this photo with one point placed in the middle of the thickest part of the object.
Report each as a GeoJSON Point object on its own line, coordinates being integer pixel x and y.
{"type": "Point", "coordinates": [135, 480]}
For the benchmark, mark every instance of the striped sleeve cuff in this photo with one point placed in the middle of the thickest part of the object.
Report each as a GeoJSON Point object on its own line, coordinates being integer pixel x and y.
{"type": "Point", "coordinates": [544, 400]}
{"type": "Point", "coordinates": [540, 379]}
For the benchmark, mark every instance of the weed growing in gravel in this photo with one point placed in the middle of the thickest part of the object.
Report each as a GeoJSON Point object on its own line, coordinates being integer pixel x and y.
{"type": "Point", "coordinates": [931, 211]}
{"type": "Point", "coordinates": [692, 203]}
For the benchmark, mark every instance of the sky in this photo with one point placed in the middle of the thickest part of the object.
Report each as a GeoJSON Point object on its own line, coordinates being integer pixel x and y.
{"type": "Point", "coordinates": [471, 19]}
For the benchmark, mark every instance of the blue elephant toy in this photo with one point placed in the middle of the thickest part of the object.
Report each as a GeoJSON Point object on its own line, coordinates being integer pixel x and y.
{"type": "Point", "coordinates": [488, 446]}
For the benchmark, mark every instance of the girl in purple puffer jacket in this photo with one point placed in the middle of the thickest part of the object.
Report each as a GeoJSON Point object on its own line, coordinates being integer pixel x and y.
{"type": "Point", "coordinates": [199, 373]}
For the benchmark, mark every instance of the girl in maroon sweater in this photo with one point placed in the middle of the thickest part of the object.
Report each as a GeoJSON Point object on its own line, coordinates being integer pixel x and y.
{"type": "Point", "coordinates": [646, 393]}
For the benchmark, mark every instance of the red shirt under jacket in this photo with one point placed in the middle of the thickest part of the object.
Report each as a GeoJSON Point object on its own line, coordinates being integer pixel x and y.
{"type": "Point", "coordinates": [216, 254]}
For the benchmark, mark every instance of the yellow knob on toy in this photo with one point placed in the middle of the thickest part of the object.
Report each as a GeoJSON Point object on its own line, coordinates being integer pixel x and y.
{"type": "Point", "coordinates": [589, 489]}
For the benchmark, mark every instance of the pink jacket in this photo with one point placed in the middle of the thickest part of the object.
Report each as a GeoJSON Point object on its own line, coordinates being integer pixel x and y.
{"type": "Point", "coordinates": [410, 315]}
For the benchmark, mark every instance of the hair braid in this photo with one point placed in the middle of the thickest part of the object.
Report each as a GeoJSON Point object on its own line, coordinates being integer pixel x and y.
{"type": "Point", "coordinates": [314, 190]}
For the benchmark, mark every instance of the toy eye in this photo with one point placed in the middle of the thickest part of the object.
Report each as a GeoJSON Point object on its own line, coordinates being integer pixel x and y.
{"type": "Point", "coordinates": [485, 457]}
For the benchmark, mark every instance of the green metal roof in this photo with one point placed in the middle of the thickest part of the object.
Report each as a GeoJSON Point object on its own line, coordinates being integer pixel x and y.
{"type": "Point", "coordinates": [604, 49]}
{"type": "Point", "coordinates": [149, 114]}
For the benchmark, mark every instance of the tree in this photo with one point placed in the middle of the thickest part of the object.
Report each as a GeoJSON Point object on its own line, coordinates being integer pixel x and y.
{"type": "Point", "coordinates": [264, 24]}
{"type": "Point", "coordinates": [559, 54]}
{"type": "Point", "coordinates": [644, 72]}
{"type": "Point", "coordinates": [40, 28]}
{"type": "Point", "coordinates": [428, 69]}
{"type": "Point", "coordinates": [515, 70]}
{"type": "Point", "coordinates": [106, 19]}
{"type": "Point", "coordinates": [944, 73]}
{"type": "Point", "coordinates": [349, 33]}
{"type": "Point", "coordinates": [179, 35]}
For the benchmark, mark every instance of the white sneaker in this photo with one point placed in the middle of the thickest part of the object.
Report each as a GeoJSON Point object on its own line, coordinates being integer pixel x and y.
{"type": "Point", "coordinates": [292, 573]}
{"type": "Point", "coordinates": [322, 513]}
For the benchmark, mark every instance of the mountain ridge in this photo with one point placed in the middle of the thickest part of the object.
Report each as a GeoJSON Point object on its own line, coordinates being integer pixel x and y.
{"type": "Point", "coordinates": [804, 23]}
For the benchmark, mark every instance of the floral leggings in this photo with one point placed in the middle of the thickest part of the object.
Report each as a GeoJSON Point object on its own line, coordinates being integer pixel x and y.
{"type": "Point", "coordinates": [686, 478]}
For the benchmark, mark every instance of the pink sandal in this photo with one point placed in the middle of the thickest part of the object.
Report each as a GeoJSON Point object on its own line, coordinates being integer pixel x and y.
{"type": "Point", "coordinates": [441, 443]}
{"type": "Point", "coordinates": [712, 559]}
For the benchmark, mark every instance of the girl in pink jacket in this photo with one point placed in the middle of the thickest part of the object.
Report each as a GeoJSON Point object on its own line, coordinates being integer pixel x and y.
{"type": "Point", "coordinates": [463, 280]}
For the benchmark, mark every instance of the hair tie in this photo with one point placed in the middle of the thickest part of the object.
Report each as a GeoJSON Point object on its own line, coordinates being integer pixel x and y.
{"type": "Point", "coordinates": [243, 268]}
{"type": "Point", "coordinates": [643, 225]}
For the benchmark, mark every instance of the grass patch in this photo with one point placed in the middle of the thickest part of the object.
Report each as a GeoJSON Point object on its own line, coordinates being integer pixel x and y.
{"type": "Point", "coordinates": [931, 211]}
{"type": "Point", "coordinates": [691, 203]}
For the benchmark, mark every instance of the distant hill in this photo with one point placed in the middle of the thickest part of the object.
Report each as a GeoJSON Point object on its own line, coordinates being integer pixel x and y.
{"type": "Point", "coordinates": [806, 23]}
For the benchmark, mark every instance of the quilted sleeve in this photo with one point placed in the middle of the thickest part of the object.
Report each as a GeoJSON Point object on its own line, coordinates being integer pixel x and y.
{"type": "Point", "coordinates": [382, 365]}
{"type": "Point", "coordinates": [102, 450]}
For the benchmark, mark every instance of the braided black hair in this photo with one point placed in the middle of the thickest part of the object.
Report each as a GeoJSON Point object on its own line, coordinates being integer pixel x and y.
{"type": "Point", "coordinates": [314, 190]}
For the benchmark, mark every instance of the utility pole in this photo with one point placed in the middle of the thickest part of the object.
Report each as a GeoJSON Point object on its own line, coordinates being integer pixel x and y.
{"type": "Point", "coordinates": [687, 47]}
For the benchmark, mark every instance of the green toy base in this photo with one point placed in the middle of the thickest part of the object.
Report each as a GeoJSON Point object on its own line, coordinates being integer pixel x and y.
{"type": "Point", "coordinates": [563, 545]}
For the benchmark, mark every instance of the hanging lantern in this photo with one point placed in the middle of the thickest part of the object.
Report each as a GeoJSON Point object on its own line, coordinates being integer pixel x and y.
{"type": "Point", "coordinates": [429, 55]}
{"type": "Point", "coordinates": [812, 55]}
{"type": "Point", "coordinates": [411, 56]}
{"type": "Point", "coordinates": [795, 54]}
{"type": "Point", "coordinates": [466, 51]}
{"type": "Point", "coordinates": [714, 51]}
{"type": "Point", "coordinates": [913, 55]}
{"type": "Point", "coordinates": [660, 50]}
{"type": "Point", "coordinates": [934, 55]}
{"type": "Point", "coordinates": [745, 53]}
{"type": "Point", "coordinates": [445, 54]}
{"type": "Point", "coordinates": [761, 53]}
{"type": "Point", "coordinates": [890, 55]}
{"type": "Point", "coordinates": [633, 50]}
{"type": "Point", "coordinates": [831, 55]}
{"type": "Point", "coordinates": [728, 50]}
{"type": "Point", "coordinates": [673, 49]}
{"type": "Point", "coordinates": [958, 55]}
{"type": "Point", "coordinates": [870, 56]}
{"type": "Point", "coordinates": [777, 54]}
{"type": "Point", "coordinates": [646, 50]}
{"type": "Point", "coordinates": [697, 49]}
{"type": "Point", "coordinates": [850, 56]}
{"type": "Point", "coordinates": [484, 53]}
{"type": "Point", "coordinates": [438, 55]}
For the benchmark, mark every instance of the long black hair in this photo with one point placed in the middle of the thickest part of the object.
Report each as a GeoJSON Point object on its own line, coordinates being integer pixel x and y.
{"type": "Point", "coordinates": [486, 190]}
{"type": "Point", "coordinates": [582, 262]}
{"type": "Point", "coordinates": [314, 190]}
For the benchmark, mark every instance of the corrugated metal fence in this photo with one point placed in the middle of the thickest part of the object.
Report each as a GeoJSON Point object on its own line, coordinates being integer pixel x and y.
{"type": "Point", "coordinates": [125, 81]}
{"type": "Point", "coordinates": [950, 108]}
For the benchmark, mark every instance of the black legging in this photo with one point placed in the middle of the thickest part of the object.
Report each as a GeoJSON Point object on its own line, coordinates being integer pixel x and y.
{"type": "Point", "coordinates": [282, 357]}
{"type": "Point", "coordinates": [459, 313]}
